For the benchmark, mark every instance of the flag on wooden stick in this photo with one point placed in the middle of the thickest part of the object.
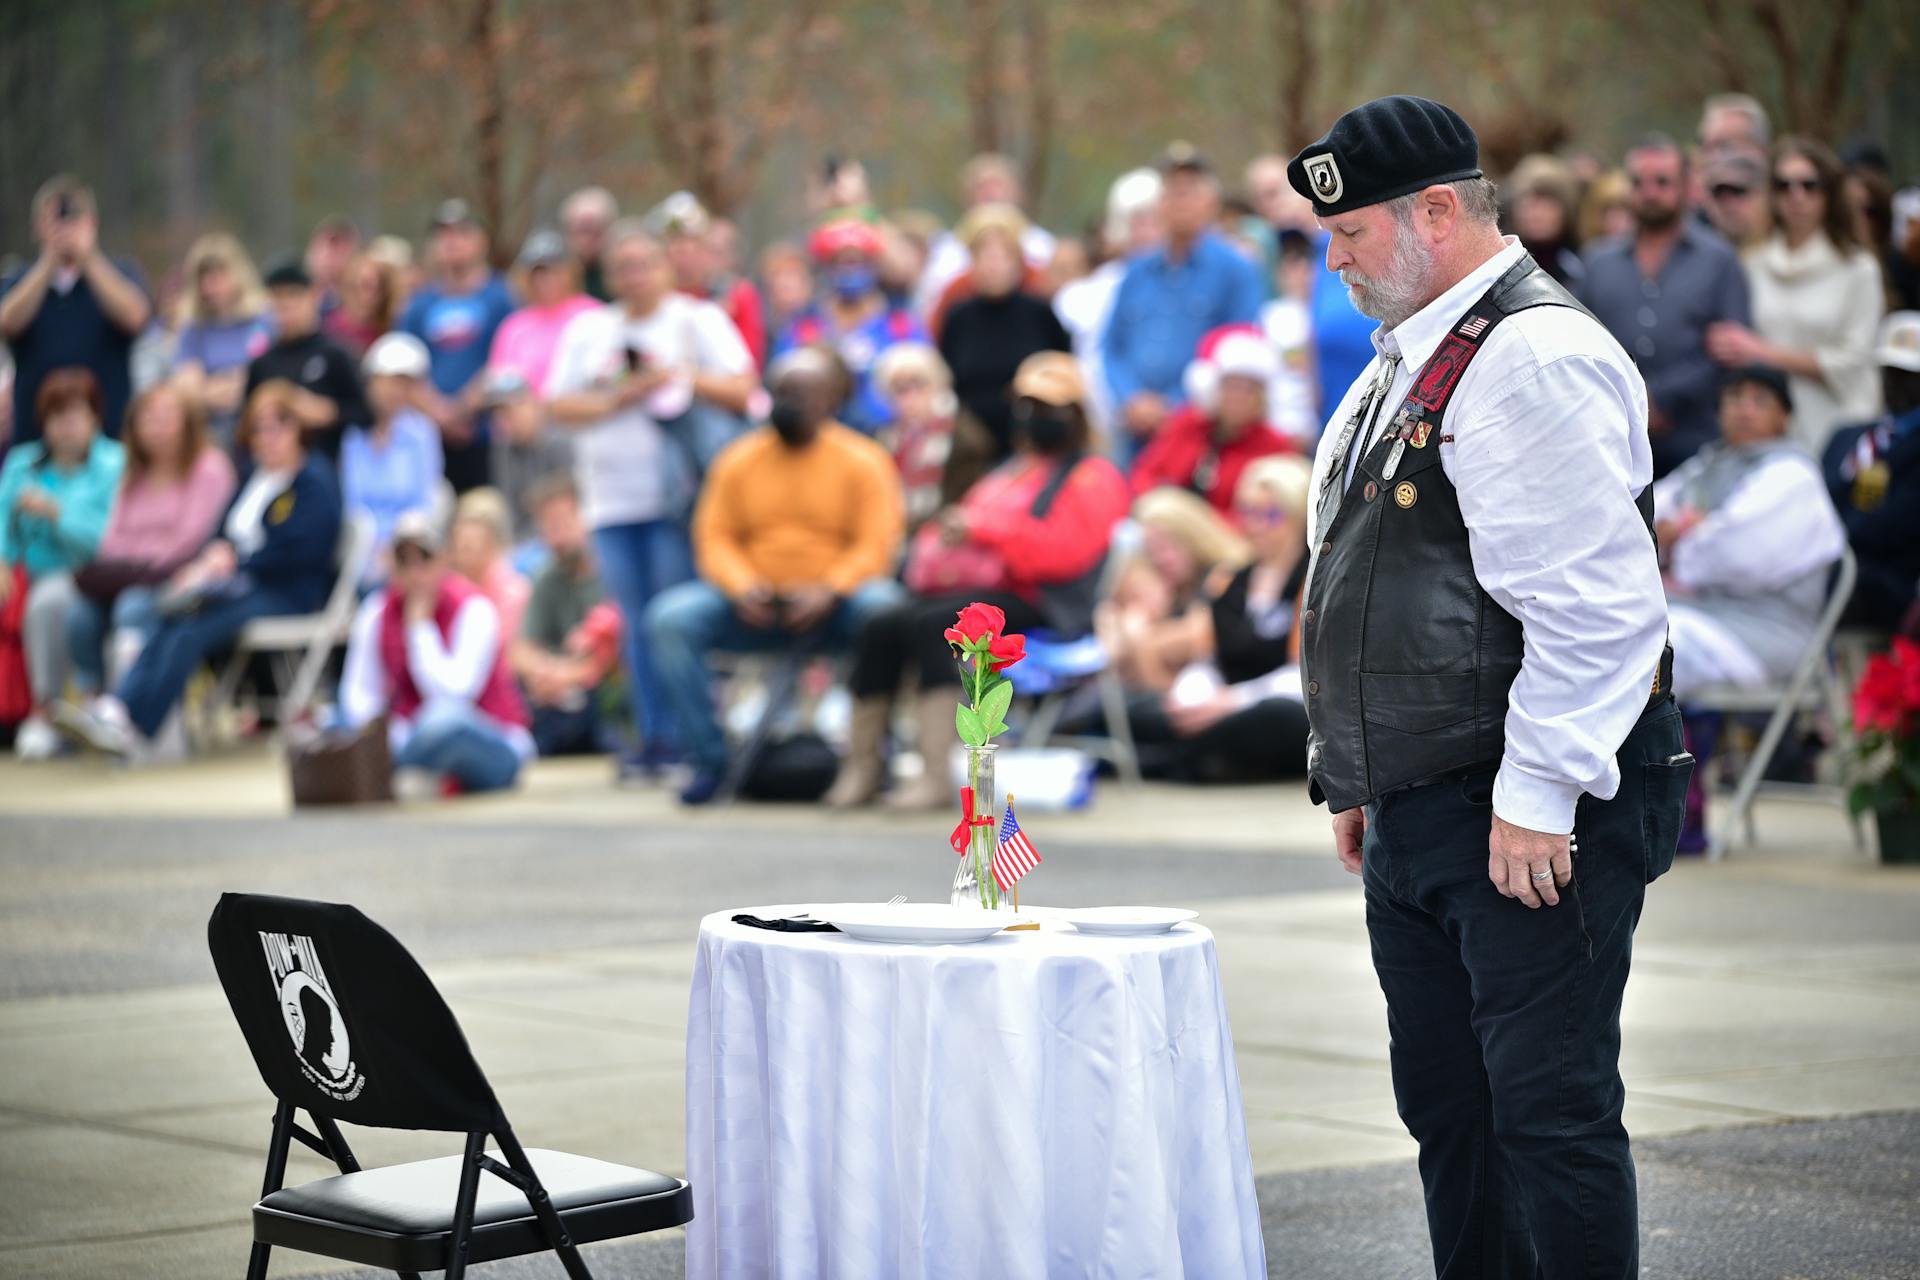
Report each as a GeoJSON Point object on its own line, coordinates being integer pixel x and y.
{"type": "Point", "coordinates": [1014, 855]}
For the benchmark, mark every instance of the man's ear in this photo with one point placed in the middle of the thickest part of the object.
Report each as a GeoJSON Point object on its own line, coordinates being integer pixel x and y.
{"type": "Point", "coordinates": [1440, 208]}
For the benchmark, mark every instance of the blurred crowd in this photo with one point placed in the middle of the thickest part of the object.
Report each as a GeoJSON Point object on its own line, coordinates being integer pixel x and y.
{"type": "Point", "coordinates": [573, 485]}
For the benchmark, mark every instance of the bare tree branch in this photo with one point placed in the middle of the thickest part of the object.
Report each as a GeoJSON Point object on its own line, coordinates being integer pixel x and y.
{"type": "Point", "coordinates": [983, 65]}
{"type": "Point", "coordinates": [1042, 103]}
{"type": "Point", "coordinates": [1833, 79]}
{"type": "Point", "coordinates": [1719, 42]}
{"type": "Point", "coordinates": [1297, 60]}
{"type": "Point", "coordinates": [1777, 26]}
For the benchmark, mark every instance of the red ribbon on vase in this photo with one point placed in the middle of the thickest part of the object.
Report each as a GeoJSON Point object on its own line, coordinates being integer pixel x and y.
{"type": "Point", "coordinates": [968, 820]}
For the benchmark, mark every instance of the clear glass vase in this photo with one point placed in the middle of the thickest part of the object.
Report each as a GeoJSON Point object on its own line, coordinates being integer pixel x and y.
{"type": "Point", "coordinates": [973, 879]}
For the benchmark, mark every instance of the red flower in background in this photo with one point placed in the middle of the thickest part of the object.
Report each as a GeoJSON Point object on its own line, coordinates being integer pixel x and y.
{"type": "Point", "coordinates": [1887, 699]}
{"type": "Point", "coordinates": [976, 622]}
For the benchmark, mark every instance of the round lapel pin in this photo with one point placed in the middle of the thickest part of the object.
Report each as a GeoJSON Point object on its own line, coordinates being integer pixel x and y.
{"type": "Point", "coordinates": [1405, 494]}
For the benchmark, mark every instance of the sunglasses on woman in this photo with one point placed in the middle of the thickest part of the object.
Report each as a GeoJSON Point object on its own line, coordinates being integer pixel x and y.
{"type": "Point", "coordinates": [1806, 186]}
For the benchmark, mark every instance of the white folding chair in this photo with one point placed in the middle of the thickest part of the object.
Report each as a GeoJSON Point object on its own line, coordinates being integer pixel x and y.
{"type": "Point", "coordinates": [1814, 686]}
{"type": "Point", "coordinates": [300, 643]}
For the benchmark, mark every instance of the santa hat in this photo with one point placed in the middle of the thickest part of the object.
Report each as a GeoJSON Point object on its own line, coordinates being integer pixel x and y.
{"type": "Point", "coordinates": [1232, 350]}
{"type": "Point", "coordinates": [844, 234]}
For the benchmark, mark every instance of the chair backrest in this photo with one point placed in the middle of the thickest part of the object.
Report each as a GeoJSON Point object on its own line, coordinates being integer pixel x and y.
{"type": "Point", "coordinates": [355, 552]}
{"type": "Point", "coordinates": [341, 1020]}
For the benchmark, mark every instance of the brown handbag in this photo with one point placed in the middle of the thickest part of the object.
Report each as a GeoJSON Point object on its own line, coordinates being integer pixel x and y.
{"type": "Point", "coordinates": [337, 766]}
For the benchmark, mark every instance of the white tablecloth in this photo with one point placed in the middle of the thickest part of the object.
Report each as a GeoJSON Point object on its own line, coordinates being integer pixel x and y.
{"type": "Point", "coordinates": [1042, 1104]}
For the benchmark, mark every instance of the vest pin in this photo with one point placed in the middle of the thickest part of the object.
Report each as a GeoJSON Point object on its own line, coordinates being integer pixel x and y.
{"type": "Point", "coordinates": [1370, 491]}
{"type": "Point", "coordinates": [1393, 459]}
{"type": "Point", "coordinates": [1405, 494]}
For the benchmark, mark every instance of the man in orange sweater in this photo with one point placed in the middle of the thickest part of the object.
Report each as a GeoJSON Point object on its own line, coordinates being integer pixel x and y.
{"type": "Point", "coordinates": [796, 536]}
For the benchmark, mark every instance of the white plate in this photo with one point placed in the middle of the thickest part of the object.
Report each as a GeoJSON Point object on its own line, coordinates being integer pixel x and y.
{"type": "Point", "coordinates": [1128, 919]}
{"type": "Point", "coordinates": [913, 921]}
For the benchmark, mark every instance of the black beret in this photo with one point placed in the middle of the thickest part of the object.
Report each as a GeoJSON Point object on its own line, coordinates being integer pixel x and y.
{"type": "Point", "coordinates": [1760, 375]}
{"type": "Point", "coordinates": [1385, 148]}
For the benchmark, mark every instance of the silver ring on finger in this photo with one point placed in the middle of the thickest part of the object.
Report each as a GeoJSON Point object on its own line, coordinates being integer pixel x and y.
{"type": "Point", "coordinates": [1541, 877]}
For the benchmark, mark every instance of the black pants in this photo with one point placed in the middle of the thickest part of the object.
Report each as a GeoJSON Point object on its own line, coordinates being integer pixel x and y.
{"type": "Point", "coordinates": [1505, 1022]}
{"type": "Point", "coordinates": [1258, 743]}
{"type": "Point", "coordinates": [912, 637]}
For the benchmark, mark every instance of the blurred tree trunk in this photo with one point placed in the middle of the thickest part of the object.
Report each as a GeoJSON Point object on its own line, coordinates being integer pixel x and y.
{"type": "Point", "coordinates": [1294, 56]}
{"type": "Point", "coordinates": [184, 152]}
{"type": "Point", "coordinates": [1042, 102]}
{"type": "Point", "coordinates": [489, 123]}
{"type": "Point", "coordinates": [273, 139]}
{"type": "Point", "coordinates": [983, 75]}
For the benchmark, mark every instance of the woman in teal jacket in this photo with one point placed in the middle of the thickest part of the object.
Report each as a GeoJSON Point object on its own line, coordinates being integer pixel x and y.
{"type": "Point", "coordinates": [55, 495]}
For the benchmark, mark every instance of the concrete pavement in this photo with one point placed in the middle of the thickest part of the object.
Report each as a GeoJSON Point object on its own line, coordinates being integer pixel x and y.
{"type": "Point", "coordinates": [1782, 984]}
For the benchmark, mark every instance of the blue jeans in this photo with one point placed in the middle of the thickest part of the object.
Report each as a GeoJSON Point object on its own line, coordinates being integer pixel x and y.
{"type": "Point", "coordinates": [458, 740]}
{"type": "Point", "coordinates": [179, 645]}
{"type": "Point", "coordinates": [691, 621]}
{"type": "Point", "coordinates": [88, 628]}
{"type": "Point", "coordinates": [637, 563]}
{"type": "Point", "coordinates": [1504, 1022]}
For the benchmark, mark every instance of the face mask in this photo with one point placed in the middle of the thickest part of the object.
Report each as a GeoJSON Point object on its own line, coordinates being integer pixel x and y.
{"type": "Point", "coordinates": [791, 421]}
{"type": "Point", "coordinates": [1047, 429]}
{"type": "Point", "coordinates": [851, 283]}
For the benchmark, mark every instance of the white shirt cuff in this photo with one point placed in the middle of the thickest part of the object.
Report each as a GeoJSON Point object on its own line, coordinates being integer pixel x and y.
{"type": "Point", "coordinates": [1538, 804]}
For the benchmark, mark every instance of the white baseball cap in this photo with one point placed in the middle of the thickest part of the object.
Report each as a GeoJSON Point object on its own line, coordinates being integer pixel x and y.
{"type": "Point", "coordinates": [398, 355]}
{"type": "Point", "coordinates": [1898, 346]}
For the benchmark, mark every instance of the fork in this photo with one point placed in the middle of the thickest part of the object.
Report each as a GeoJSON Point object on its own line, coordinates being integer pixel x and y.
{"type": "Point", "coordinates": [896, 900]}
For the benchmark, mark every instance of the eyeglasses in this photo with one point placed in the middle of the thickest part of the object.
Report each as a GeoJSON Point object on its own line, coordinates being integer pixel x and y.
{"type": "Point", "coordinates": [1262, 515]}
{"type": "Point", "coordinates": [1727, 191]}
{"type": "Point", "coordinates": [1806, 186]}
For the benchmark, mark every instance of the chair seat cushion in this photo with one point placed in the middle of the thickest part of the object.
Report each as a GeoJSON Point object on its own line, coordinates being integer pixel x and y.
{"type": "Point", "coordinates": [401, 1216]}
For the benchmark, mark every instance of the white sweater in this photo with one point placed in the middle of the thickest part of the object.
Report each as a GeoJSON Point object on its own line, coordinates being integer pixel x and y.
{"type": "Point", "coordinates": [1813, 299]}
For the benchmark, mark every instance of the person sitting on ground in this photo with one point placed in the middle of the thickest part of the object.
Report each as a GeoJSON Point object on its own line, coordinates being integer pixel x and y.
{"type": "Point", "coordinates": [854, 316]}
{"type": "Point", "coordinates": [224, 326]}
{"type": "Point", "coordinates": [1192, 552]}
{"type": "Point", "coordinates": [795, 536]}
{"type": "Point", "coordinates": [1206, 443]}
{"type": "Point", "coordinates": [915, 383]}
{"type": "Point", "coordinates": [426, 653]}
{"type": "Point", "coordinates": [1747, 537]}
{"type": "Point", "coordinates": [1030, 538]}
{"type": "Point", "coordinates": [175, 486]}
{"type": "Point", "coordinates": [274, 555]}
{"type": "Point", "coordinates": [328, 397]}
{"type": "Point", "coordinates": [1236, 715]}
{"type": "Point", "coordinates": [392, 465]}
{"type": "Point", "coordinates": [479, 547]}
{"type": "Point", "coordinates": [1873, 475]}
{"type": "Point", "coordinates": [55, 496]}
{"type": "Point", "coordinates": [568, 647]}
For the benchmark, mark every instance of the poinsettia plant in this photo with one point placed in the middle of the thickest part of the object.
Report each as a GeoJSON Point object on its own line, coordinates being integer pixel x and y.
{"type": "Point", "coordinates": [1886, 724]}
{"type": "Point", "coordinates": [984, 650]}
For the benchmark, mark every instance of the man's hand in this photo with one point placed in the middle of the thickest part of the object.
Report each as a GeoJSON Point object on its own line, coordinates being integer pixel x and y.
{"type": "Point", "coordinates": [755, 607]}
{"type": "Point", "coordinates": [808, 607]}
{"type": "Point", "coordinates": [638, 386]}
{"type": "Point", "coordinates": [37, 502]}
{"type": "Point", "coordinates": [1349, 834]}
{"type": "Point", "coordinates": [953, 526]}
{"type": "Point", "coordinates": [1144, 413]}
{"type": "Point", "coordinates": [1516, 854]}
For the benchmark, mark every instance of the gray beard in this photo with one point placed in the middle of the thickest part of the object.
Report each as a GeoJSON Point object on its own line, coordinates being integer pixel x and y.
{"type": "Point", "coordinates": [1401, 289]}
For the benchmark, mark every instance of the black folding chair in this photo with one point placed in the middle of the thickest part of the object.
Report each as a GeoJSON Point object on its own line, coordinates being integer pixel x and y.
{"type": "Point", "coordinates": [345, 1025]}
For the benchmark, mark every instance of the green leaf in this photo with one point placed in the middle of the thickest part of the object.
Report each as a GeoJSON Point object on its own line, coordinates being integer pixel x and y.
{"type": "Point", "coordinates": [971, 731]}
{"type": "Point", "coordinates": [993, 707]}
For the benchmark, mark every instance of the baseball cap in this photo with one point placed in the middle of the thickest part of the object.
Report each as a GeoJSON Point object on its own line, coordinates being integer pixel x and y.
{"type": "Point", "coordinates": [288, 273]}
{"type": "Point", "coordinates": [1183, 157]}
{"type": "Point", "coordinates": [680, 214]}
{"type": "Point", "coordinates": [399, 355]}
{"type": "Point", "coordinates": [417, 529]}
{"type": "Point", "coordinates": [1898, 345]}
{"type": "Point", "coordinates": [1051, 377]}
{"type": "Point", "coordinates": [1769, 376]}
{"type": "Point", "coordinates": [543, 248]}
{"type": "Point", "coordinates": [453, 213]}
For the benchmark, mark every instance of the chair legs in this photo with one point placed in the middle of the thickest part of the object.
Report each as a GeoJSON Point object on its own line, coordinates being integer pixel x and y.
{"type": "Point", "coordinates": [543, 1207]}
{"type": "Point", "coordinates": [462, 1238]}
{"type": "Point", "coordinates": [1113, 705]}
{"type": "Point", "coordinates": [276, 1174]}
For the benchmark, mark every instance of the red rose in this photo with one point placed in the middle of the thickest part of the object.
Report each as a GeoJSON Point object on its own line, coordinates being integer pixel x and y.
{"type": "Point", "coordinates": [1880, 701]}
{"type": "Point", "coordinates": [976, 622]}
{"type": "Point", "coordinates": [1007, 650]}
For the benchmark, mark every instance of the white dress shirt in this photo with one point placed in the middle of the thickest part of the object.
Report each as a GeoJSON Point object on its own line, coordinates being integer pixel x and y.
{"type": "Point", "coordinates": [1546, 443]}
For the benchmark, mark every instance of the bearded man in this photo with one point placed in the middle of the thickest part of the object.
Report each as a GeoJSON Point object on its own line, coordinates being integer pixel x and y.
{"type": "Point", "coordinates": [1486, 681]}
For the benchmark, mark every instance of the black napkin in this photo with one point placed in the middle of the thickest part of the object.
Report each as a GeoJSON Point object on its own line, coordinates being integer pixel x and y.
{"type": "Point", "coordinates": [785, 926]}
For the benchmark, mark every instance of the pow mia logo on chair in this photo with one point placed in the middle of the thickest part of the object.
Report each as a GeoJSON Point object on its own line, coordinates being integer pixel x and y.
{"type": "Point", "coordinates": [312, 1015]}
{"type": "Point", "coordinates": [1324, 174]}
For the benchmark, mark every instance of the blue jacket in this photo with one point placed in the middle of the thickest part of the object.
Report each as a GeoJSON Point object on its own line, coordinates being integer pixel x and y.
{"type": "Point", "coordinates": [296, 561]}
{"type": "Point", "coordinates": [1163, 308]}
{"type": "Point", "coordinates": [85, 496]}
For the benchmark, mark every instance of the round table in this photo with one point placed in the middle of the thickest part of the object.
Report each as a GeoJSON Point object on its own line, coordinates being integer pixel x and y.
{"type": "Point", "coordinates": [1040, 1104]}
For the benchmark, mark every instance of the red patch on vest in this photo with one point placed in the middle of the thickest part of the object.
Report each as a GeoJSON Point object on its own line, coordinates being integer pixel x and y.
{"type": "Point", "coordinates": [1441, 372]}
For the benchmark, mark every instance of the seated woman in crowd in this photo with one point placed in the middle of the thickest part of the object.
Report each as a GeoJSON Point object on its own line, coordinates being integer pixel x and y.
{"type": "Point", "coordinates": [1235, 714]}
{"type": "Point", "coordinates": [1159, 622]}
{"type": "Point", "coordinates": [1873, 476]}
{"type": "Point", "coordinates": [1205, 444]}
{"type": "Point", "coordinates": [478, 546]}
{"type": "Point", "coordinates": [55, 495]}
{"type": "Point", "coordinates": [915, 383]}
{"type": "Point", "coordinates": [225, 326]}
{"type": "Point", "coordinates": [427, 653]}
{"type": "Point", "coordinates": [394, 465]}
{"type": "Point", "coordinates": [274, 554]}
{"type": "Point", "coordinates": [1747, 537]}
{"type": "Point", "coordinates": [176, 484]}
{"type": "Point", "coordinates": [987, 334]}
{"type": "Point", "coordinates": [1030, 539]}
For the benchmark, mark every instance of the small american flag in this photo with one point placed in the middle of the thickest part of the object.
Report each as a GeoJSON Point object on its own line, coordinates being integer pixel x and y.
{"type": "Point", "coordinates": [1473, 328]}
{"type": "Point", "coordinates": [1013, 857]}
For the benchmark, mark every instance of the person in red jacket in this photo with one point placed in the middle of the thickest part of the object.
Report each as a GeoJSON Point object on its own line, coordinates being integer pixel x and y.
{"type": "Point", "coordinates": [425, 651]}
{"type": "Point", "coordinates": [1030, 538]}
{"type": "Point", "coordinates": [1208, 442]}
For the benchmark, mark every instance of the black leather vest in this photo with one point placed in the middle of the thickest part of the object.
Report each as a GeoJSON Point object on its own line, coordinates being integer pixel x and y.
{"type": "Point", "coordinates": [1406, 661]}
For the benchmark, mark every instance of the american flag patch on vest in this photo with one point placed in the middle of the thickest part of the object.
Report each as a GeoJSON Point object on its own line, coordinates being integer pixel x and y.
{"type": "Point", "coordinates": [1472, 327]}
